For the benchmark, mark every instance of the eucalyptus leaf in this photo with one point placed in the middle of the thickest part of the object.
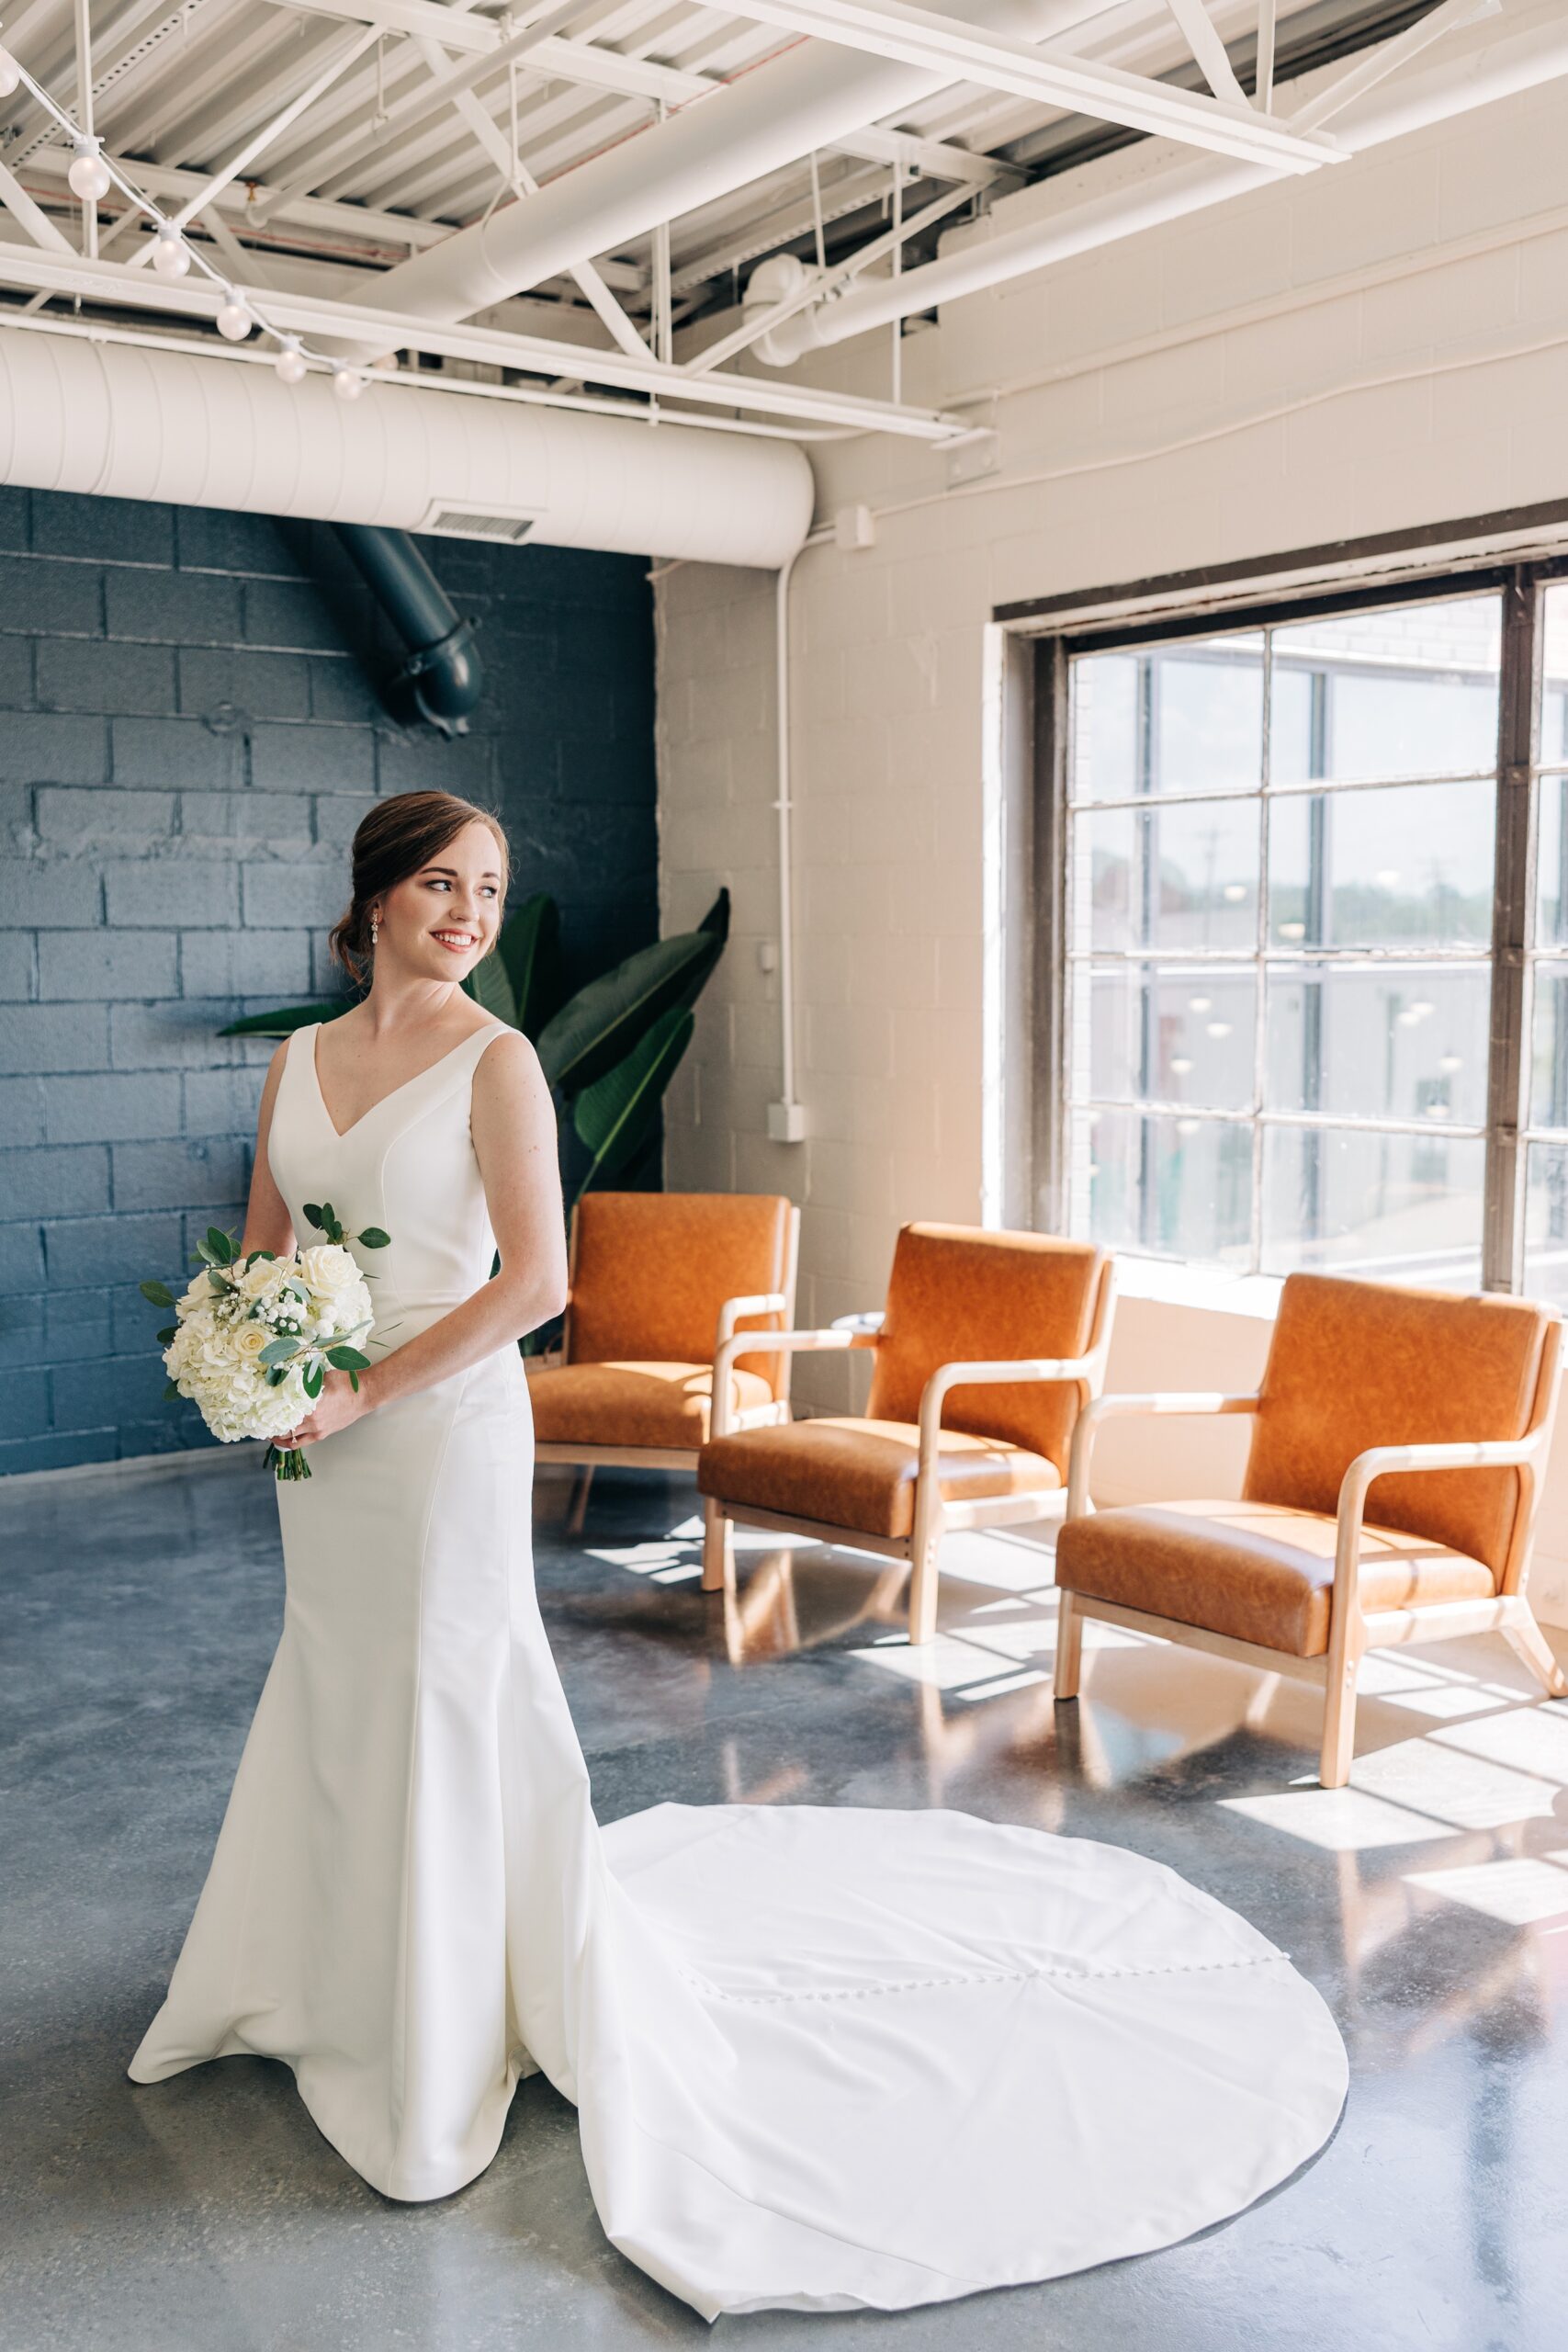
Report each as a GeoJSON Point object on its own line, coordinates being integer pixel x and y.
{"type": "Point", "coordinates": [314, 1380]}
{"type": "Point", "coordinates": [604, 1021]}
{"type": "Point", "coordinates": [170, 1391]}
{"type": "Point", "coordinates": [221, 1246]}
{"type": "Point", "coordinates": [204, 1251]}
{"type": "Point", "coordinates": [158, 1294]}
{"type": "Point", "coordinates": [170, 1331]}
{"type": "Point", "coordinates": [279, 1352]}
{"type": "Point", "coordinates": [374, 1238]}
{"type": "Point", "coordinates": [616, 1115]}
{"type": "Point", "coordinates": [348, 1360]}
{"type": "Point", "coordinates": [219, 1279]}
{"type": "Point", "coordinates": [313, 1214]}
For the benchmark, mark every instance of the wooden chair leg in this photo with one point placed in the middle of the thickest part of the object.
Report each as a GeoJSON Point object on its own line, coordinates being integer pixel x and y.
{"type": "Point", "coordinates": [718, 1549]}
{"type": "Point", "coordinates": [1339, 1726]}
{"type": "Point", "coordinates": [577, 1510]}
{"type": "Point", "coordinates": [923, 1587]}
{"type": "Point", "coordinates": [1069, 1648]}
{"type": "Point", "coordinates": [1529, 1644]}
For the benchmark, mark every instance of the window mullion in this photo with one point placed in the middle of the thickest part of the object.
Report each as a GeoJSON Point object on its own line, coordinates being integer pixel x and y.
{"type": "Point", "coordinates": [1502, 1265]}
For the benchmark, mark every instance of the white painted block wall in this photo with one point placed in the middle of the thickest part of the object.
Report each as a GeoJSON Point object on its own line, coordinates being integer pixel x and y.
{"type": "Point", "coordinates": [1380, 346]}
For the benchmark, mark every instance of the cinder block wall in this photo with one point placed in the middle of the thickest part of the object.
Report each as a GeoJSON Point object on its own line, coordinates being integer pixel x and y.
{"type": "Point", "coordinates": [189, 736]}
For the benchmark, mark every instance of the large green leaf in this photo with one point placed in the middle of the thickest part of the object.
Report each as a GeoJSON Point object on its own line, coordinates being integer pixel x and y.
{"type": "Point", "coordinates": [530, 948]}
{"type": "Point", "coordinates": [602, 1023]}
{"type": "Point", "coordinates": [488, 985]}
{"type": "Point", "coordinates": [284, 1024]}
{"type": "Point", "coordinates": [615, 1115]}
{"type": "Point", "coordinates": [520, 980]}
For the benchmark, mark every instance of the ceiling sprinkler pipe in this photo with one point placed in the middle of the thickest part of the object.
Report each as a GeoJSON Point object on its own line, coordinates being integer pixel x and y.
{"type": "Point", "coordinates": [1504, 64]}
{"type": "Point", "coordinates": [442, 677]}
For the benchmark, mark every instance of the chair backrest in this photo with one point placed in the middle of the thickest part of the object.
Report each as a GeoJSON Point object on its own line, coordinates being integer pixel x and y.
{"type": "Point", "coordinates": [958, 1294]}
{"type": "Point", "coordinates": [650, 1271]}
{"type": "Point", "coordinates": [1354, 1364]}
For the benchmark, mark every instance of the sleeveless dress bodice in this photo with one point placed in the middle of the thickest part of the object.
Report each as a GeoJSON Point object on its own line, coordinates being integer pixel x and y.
{"type": "Point", "coordinates": [821, 2059]}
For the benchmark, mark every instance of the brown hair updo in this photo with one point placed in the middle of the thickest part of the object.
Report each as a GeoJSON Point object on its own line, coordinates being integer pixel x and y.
{"type": "Point", "coordinates": [396, 839]}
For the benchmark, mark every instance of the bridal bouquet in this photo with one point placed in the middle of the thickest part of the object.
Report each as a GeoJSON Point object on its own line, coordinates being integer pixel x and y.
{"type": "Point", "coordinates": [253, 1334]}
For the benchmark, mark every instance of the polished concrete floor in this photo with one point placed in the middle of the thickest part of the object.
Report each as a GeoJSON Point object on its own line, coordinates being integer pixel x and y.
{"type": "Point", "coordinates": [1429, 1901]}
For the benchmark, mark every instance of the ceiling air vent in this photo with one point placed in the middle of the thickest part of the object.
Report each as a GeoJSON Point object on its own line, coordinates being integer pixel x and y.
{"type": "Point", "coordinates": [460, 523]}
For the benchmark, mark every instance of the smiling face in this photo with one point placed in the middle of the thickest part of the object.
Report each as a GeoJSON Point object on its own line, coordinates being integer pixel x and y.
{"type": "Point", "coordinates": [438, 921]}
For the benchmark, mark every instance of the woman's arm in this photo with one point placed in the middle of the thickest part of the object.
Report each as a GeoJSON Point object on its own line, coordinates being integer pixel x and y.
{"type": "Point", "coordinates": [513, 1126]}
{"type": "Point", "coordinates": [267, 1222]}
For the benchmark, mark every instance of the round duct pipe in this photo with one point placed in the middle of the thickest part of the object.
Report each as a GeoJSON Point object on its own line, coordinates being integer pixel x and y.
{"type": "Point", "coordinates": [125, 422]}
{"type": "Point", "coordinates": [443, 676]}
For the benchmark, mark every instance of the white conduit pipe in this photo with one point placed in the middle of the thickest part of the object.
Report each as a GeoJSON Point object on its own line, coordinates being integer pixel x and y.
{"type": "Point", "coordinates": [770, 117]}
{"type": "Point", "coordinates": [124, 421]}
{"type": "Point", "coordinates": [1507, 64]}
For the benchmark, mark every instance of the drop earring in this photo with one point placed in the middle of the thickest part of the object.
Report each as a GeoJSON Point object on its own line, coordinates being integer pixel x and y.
{"type": "Point", "coordinates": [375, 932]}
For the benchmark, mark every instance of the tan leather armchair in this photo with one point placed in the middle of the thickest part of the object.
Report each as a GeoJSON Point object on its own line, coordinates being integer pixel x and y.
{"type": "Point", "coordinates": [660, 1283]}
{"type": "Point", "coordinates": [1398, 1445]}
{"type": "Point", "coordinates": [989, 1347]}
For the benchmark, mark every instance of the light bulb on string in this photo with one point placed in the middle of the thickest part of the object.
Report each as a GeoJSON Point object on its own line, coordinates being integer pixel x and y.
{"type": "Point", "coordinates": [170, 256]}
{"type": "Point", "coordinates": [89, 175]}
{"type": "Point", "coordinates": [234, 322]}
{"type": "Point", "coordinates": [10, 74]}
{"type": "Point", "coordinates": [347, 384]}
{"type": "Point", "coordinates": [291, 364]}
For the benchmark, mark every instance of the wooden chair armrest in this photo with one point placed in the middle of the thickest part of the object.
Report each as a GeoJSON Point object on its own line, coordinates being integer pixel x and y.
{"type": "Point", "coordinates": [740, 1343]}
{"type": "Point", "coordinates": [1388, 1461]}
{"type": "Point", "coordinates": [767, 1301]}
{"type": "Point", "coordinates": [1105, 1408]}
{"type": "Point", "coordinates": [960, 1374]}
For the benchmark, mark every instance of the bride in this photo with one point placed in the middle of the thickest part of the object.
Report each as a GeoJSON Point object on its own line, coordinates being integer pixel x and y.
{"type": "Point", "coordinates": [821, 2059]}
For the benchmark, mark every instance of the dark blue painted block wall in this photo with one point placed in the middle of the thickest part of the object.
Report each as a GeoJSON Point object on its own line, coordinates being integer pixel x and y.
{"type": "Point", "coordinates": [189, 736]}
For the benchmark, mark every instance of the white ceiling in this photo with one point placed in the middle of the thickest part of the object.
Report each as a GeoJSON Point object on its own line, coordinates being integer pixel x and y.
{"type": "Point", "coordinates": [392, 157]}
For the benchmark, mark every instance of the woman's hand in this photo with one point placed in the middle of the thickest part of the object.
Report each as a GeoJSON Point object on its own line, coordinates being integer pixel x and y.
{"type": "Point", "coordinates": [337, 1408]}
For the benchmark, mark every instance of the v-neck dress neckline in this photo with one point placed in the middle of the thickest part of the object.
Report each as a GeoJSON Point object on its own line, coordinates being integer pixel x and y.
{"type": "Point", "coordinates": [342, 1135]}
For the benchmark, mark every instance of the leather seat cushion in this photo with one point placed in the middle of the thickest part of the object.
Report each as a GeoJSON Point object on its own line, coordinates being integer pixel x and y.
{"type": "Point", "coordinates": [1259, 1572]}
{"type": "Point", "coordinates": [632, 1404]}
{"type": "Point", "coordinates": [860, 1475]}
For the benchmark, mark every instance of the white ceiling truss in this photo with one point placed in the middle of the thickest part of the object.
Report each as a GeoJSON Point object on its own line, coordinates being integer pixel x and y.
{"type": "Point", "coordinates": [304, 149]}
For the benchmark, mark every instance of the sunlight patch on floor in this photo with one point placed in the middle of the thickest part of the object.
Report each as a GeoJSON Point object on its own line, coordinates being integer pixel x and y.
{"type": "Point", "coordinates": [1341, 1821]}
{"type": "Point", "coordinates": [1521, 1891]}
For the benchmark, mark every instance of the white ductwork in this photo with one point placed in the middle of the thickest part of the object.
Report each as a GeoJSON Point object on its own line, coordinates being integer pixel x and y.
{"type": "Point", "coordinates": [1520, 59]}
{"type": "Point", "coordinates": [770, 117]}
{"type": "Point", "coordinates": [134, 423]}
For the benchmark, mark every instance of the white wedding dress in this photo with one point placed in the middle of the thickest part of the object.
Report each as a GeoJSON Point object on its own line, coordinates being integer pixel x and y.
{"type": "Point", "coordinates": [820, 2058]}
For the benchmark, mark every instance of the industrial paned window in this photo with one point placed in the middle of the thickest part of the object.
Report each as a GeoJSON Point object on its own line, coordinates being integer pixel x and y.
{"type": "Point", "coordinates": [1315, 938]}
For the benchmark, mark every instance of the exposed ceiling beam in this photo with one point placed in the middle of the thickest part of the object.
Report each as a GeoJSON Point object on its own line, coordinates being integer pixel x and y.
{"type": "Point", "coordinates": [596, 67]}
{"type": "Point", "coordinates": [516, 176]}
{"type": "Point", "coordinates": [1208, 48]}
{"type": "Point", "coordinates": [37, 222]}
{"type": "Point", "coordinates": [315, 317]}
{"type": "Point", "coordinates": [1047, 76]}
{"type": "Point", "coordinates": [338, 63]}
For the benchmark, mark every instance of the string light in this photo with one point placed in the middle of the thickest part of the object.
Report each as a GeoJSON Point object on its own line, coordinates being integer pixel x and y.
{"type": "Point", "coordinates": [89, 176]}
{"type": "Point", "coordinates": [234, 320]}
{"type": "Point", "coordinates": [171, 257]}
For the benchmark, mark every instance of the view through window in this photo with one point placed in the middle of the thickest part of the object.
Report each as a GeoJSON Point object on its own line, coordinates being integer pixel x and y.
{"type": "Point", "coordinates": [1279, 928]}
